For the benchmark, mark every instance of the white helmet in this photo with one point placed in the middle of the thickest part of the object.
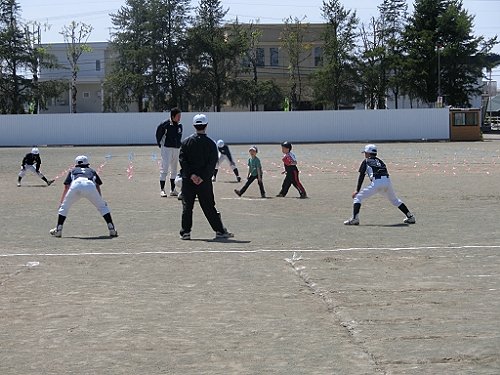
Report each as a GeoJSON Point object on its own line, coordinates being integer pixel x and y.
{"type": "Point", "coordinates": [200, 119]}
{"type": "Point", "coordinates": [370, 149]}
{"type": "Point", "coordinates": [35, 151]}
{"type": "Point", "coordinates": [81, 160]}
{"type": "Point", "coordinates": [220, 143]}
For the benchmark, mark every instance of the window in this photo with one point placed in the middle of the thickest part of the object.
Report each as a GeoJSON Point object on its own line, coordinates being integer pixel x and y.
{"type": "Point", "coordinates": [318, 56]}
{"type": "Point", "coordinates": [273, 56]}
{"type": "Point", "coordinates": [259, 57]}
{"type": "Point", "coordinates": [465, 119]}
{"type": "Point", "coordinates": [98, 65]}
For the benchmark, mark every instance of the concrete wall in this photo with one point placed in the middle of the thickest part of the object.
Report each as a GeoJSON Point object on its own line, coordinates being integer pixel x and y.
{"type": "Point", "coordinates": [233, 127]}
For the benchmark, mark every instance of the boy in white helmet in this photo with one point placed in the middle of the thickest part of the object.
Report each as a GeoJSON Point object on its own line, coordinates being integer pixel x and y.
{"type": "Point", "coordinates": [225, 153]}
{"type": "Point", "coordinates": [377, 172]}
{"type": "Point", "coordinates": [82, 182]}
{"type": "Point", "coordinates": [32, 162]}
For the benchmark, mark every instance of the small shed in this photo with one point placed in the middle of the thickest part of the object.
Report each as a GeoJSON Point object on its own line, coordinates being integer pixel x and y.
{"type": "Point", "coordinates": [465, 124]}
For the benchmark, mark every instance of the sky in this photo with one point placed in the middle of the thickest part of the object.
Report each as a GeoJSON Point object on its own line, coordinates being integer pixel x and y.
{"type": "Point", "coordinates": [57, 13]}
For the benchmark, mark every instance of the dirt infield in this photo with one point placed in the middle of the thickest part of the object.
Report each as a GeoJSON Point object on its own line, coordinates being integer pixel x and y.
{"type": "Point", "coordinates": [295, 291]}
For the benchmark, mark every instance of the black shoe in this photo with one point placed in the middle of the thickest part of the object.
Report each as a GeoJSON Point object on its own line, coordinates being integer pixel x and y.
{"type": "Point", "coordinates": [238, 179]}
{"type": "Point", "coordinates": [280, 195]}
{"type": "Point", "coordinates": [50, 182]}
{"type": "Point", "coordinates": [237, 192]}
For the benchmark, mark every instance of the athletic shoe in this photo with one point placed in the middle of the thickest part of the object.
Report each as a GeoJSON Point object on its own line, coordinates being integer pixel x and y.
{"type": "Point", "coordinates": [224, 234]}
{"type": "Point", "coordinates": [179, 196]}
{"type": "Point", "coordinates": [173, 193]}
{"type": "Point", "coordinates": [280, 195]}
{"type": "Point", "coordinates": [186, 236]}
{"type": "Point", "coordinates": [263, 196]}
{"type": "Point", "coordinates": [214, 179]}
{"type": "Point", "coordinates": [50, 182]}
{"type": "Point", "coordinates": [351, 222]}
{"type": "Point", "coordinates": [303, 196]}
{"type": "Point", "coordinates": [238, 179]}
{"type": "Point", "coordinates": [163, 194]}
{"type": "Point", "coordinates": [55, 232]}
{"type": "Point", "coordinates": [113, 233]}
{"type": "Point", "coordinates": [410, 220]}
{"type": "Point", "coordinates": [18, 184]}
{"type": "Point", "coordinates": [237, 192]}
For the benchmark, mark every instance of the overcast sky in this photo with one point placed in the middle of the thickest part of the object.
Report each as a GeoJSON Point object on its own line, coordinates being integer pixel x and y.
{"type": "Point", "coordinates": [57, 13]}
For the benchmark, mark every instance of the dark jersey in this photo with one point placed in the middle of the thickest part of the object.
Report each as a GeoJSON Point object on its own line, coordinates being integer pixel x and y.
{"type": "Point", "coordinates": [198, 155]}
{"type": "Point", "coordinates": [82, 172]}
{"type": "Point", "coordinates": [169, 134]}
{"type": "Point", "coordinates": [374, 168]}
{"type": "Point", "coordinates": [30, 159]}
{"type": "Point", "coordinates": [224, 150]}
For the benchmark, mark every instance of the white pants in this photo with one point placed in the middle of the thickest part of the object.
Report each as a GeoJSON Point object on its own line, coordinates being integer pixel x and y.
{"type": "Point", "coordinates": [223, 157]}
{"type": "Point", "coordinates": [83, 188]}
{"type": "Point", "coordinates": [31, 169]}
{"type": "Point", "coordinates": [382, 186]}
{"type": "Point", "coordinates": [178, 182]}
{"type": "Point", "coordinates": [169, 161]}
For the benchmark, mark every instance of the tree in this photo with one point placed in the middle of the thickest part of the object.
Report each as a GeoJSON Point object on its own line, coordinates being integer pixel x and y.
{"type": "Point", "coordinates": [75, 35]}
{"type": "Point", "coordinates": [337, 83]}
{"type": "Point", "coordinates": [444, 57]}
{"type": "Point", "coordinates": [292, 41]}
{"type": "Point", "coordinates": [373, 62]}
{"type": "Point", "coordinates": [393, 15]}
{"type": "Point", "coordinates": [167, 27]}
{"type": "Point", "coordinates": [14, 57]}
{"type": "Point", "coordinates": [130, 44]}
{"type": "Point", "coordinates": [212, 55]}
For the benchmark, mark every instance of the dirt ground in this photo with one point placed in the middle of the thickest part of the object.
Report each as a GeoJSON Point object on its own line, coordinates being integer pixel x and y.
{"type": "Point", "coordinates": [294, 292]}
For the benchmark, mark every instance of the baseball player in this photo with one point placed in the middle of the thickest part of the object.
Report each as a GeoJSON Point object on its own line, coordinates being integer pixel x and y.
{"type": "Point", "coordinates": [254, 173]}
{"type": "Point", "coordinates": [225, 153]}
{"type": "Point", "coordinates": [292, 173]}
{"type": "Point", "coordinates": [377, 172]}
{"type": "Point", "coordinates": [32, 162]}
{"type": "Point", "coordinates": [198, 156]}
{"type": "Point", "coordinates": [168, 138]}
{"type": "Point", "coordinates": [82, 182]}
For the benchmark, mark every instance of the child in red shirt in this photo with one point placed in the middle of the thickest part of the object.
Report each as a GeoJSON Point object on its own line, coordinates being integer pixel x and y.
{"type": "Point", "coordinates": [292, 173]}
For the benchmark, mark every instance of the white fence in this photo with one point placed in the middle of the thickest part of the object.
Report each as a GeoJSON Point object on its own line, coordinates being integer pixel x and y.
{"type": "Point", "coordinates": [233, 127]}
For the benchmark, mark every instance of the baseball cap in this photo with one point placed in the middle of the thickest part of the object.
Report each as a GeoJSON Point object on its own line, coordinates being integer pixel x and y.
{"type": "Point", "coordinates": [35, 151]}
{"type": "Point", "coordinates": [200, 119]}
{"type": "Point", "coordinates": [81, 160]}
{"type": "Point", "coordinates": [370, 149]}
{"type": "Point", "coordinates": [253, 148]}
{"type": "Point", "coordinates": [286, 144]}
{"type": "Point", "coordinates": [220, 143]}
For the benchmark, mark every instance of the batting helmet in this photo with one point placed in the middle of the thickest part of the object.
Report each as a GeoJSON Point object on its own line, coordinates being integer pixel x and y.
{"type": "Point", "coordinates": [81, 160]}
{"type": "Point", "coordinates": [35, 151]}
{"type": "Point", "coordinates": [220, 143]}
{"type": "Point", "coordinates": [287, 145]}
{"type": "Point", "coordinates": [370, 149]}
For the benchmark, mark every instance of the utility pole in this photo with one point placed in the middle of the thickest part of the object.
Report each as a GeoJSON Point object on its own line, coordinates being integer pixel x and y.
{"type": "Point", "coordinates": [440, 96]}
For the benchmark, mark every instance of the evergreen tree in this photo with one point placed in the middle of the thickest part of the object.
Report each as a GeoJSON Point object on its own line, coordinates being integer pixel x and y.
{"type": "Point", "coordinates": [444, 57]}
{"type": "Point", "coordinates": [14, 58]}
{"type": "Point", "coordinates": [168, 26]}
{"type": "Point", "coordinates": [131, 47]}
{"type": "Point", "coordinates": [337, 83]}
{"type": "Point", "coordinates": [212, 56]}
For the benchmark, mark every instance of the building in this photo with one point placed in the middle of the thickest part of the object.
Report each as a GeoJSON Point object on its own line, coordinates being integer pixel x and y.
{"type": "Point", "coordinates": [91, 73]}
{"type": "Point", "coordinates": [273, 60]}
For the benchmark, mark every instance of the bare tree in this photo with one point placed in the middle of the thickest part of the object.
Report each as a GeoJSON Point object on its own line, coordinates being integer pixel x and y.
{"type": "Point", "coordinates": [76, 35]}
